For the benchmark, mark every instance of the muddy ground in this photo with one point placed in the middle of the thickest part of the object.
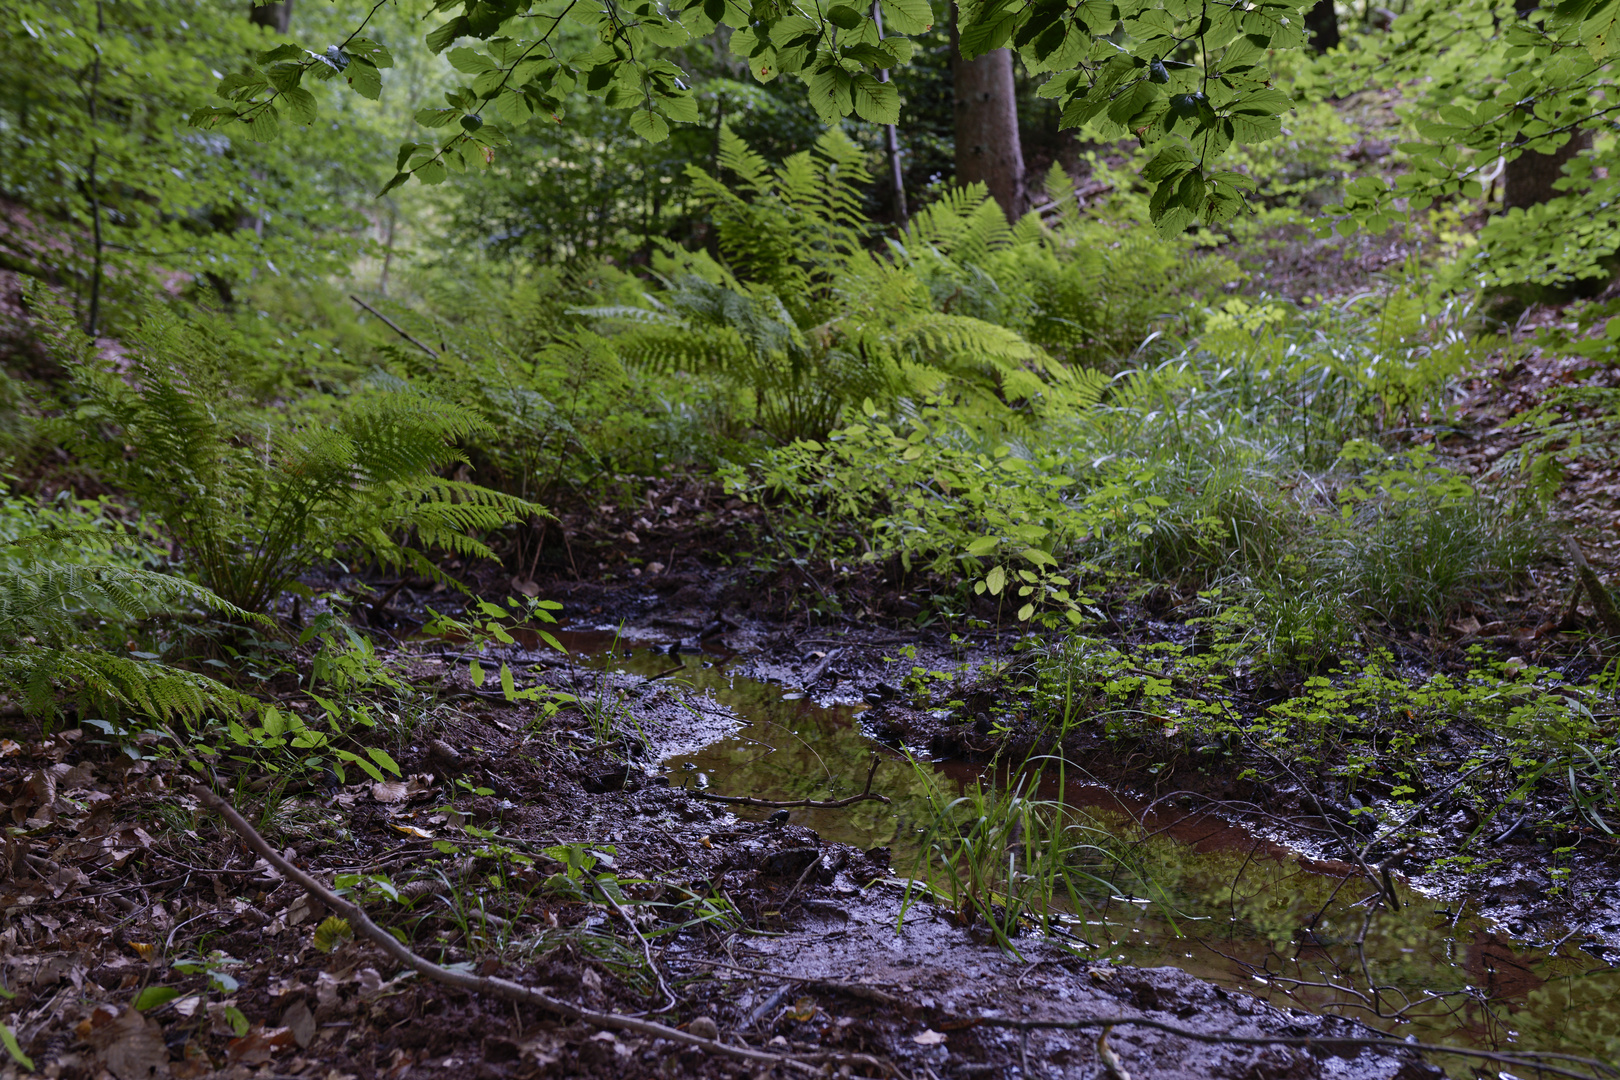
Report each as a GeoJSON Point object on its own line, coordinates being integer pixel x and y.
{"type": "Point", "coordinates": [117, 883]}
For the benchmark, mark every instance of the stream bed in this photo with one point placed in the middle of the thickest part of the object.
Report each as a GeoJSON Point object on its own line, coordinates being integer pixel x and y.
{"type": "Point", "coordinates": [1243, 911]}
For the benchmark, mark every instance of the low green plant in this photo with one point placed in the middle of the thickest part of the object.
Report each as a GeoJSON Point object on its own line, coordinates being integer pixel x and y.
{"type": "Point", "coordinates": [53, 642]}
{"type": "Point", "coordinates": [255, 497]}
{"type": "Point", "coordinates": [1009, 860]}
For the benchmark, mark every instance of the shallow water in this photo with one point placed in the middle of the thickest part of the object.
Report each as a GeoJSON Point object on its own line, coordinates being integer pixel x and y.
{"type": "Point", "coordinates": [1241, 911]}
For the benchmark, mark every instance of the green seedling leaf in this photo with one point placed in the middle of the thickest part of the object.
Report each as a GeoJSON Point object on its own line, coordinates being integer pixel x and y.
{"type": "Point", "coordinates": [155, 996]}
{"type": "Point", "coordinates": [331, 933]}
{"type": "Point", "coordinates": [382, 758]}
{"type": "Point", "coordinates": [238, 1022]}
{"type": "Point", "coordinates": [9, 1038]}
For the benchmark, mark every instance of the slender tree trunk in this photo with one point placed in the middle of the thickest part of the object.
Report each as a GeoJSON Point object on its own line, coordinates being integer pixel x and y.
{"type": "Point", "coordinates": [891, 136]}
{"type": "Point", "coordinates": [93, 323]}
{"type": "Point", "coordinates": [1322, 25]}
{"type": "Point", "coordinates": [988, 150]}
{"type": "Point", "coordinates": [276, 16]}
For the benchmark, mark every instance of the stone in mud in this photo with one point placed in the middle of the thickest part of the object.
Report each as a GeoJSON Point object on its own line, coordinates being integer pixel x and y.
{"type": "Point", "coordinates": [602, 783]}
{"type": "Point", "coordinates": [789, 862]}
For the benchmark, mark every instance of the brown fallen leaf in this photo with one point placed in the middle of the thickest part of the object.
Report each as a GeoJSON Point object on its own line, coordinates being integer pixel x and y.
{"type": "Point", "coordinates": [389, 791]}
{"type": "Point", "coordinates": [194, 1063]}
{"type": "Point", "coordinates": [929, 1037]}
{"type": "Point", "coordinates": [259, 1045]}
{"type": "Point", "coordinates": [128, 1044]}
{"type": "Point", "coordinates": [300, 1021]}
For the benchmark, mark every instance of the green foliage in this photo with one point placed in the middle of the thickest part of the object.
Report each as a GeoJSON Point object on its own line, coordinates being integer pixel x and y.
{"type": "Point", "coordinates": [1250, 461]}
{"type": "Point", "coordinates": [1372, 725]}
{"type": "Point", "coordinates": [563, 413]}
{"type": "Point", "coordinates": [112, 185]}
{"type": "Point", "coordinates": [801, 314]}
{"type": "Point", "coordinates": [1189, 79]}
{"type": "Point", "coordinates": [50, 615]}
{"type": "Point", "coordinates": [1086, 287]}
{"type": "Point", "coordinates": [255, 497]}
{"type": "Point", "coordinates": [1006, 859]}
{"type": "Point", "coordinates": [1483, 83]}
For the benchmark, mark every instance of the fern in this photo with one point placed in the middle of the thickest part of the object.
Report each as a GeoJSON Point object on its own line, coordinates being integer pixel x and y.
{"type": "Point", "coordinates": [800, 314]}
{"type": "Point", "coordinates": [47, 649]}
{"type": "Point", "coordinates": [255, 497]}
{"type": "Point", "coordinates": [1084, 289]}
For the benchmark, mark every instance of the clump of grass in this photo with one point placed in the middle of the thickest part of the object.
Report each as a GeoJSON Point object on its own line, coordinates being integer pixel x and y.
{"type": "Point", "coordinates": [1007, 860]}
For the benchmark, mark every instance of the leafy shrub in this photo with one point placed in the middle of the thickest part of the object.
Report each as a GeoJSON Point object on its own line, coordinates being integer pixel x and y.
{"type": "Point", "coordinates": [254, 497]}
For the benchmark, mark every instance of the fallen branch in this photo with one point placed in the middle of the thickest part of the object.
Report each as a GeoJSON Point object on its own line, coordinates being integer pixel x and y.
{"type": "Point", "coordinates": [815, 804]}
{"type": "Point", "coordinates": [395, 327]}
{"type": "Point", "coordinates": [1602, 602]}
{"type": "Point", "coordinates": [1529, 1059]}
{"type": "Point", "coordinates": [481, 984]}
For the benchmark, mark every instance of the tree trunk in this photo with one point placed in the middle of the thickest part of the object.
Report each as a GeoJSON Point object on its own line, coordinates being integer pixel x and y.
{"type": "Point", "coordinates": [987, 145]}
{"type": "Point", "coordinates": [276, 16]}
{"type": "Point", "coordinates": [1322, 26]}
{"type": "Point", "coordinates": [1528, 179]}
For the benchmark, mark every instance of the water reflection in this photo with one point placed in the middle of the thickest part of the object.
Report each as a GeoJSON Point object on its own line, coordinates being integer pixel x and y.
{"type": "Point", "coordinates": [1252, 915]}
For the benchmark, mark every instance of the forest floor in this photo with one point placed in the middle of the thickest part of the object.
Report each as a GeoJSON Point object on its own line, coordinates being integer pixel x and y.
{"type": "Point", "coordinates": [558, 850]}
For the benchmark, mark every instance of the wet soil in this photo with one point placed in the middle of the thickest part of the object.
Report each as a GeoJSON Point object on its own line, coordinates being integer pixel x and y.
{"type": "Point", "coordinates": [117, 884]}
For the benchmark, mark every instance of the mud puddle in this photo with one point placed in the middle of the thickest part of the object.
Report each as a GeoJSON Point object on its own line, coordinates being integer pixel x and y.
{"type": "Point", "coordinates": [1226, 905]}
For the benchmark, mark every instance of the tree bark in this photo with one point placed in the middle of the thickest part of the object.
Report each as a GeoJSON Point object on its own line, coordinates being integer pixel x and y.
{"type": "Point", "coordinates": [1528, 178]}
{"type": "Point", "coordinates": [1322, 26]}
{"type": "Point", "coordinates": [987, 145]}
{"type": "Point", "coordinates": [276, 16]}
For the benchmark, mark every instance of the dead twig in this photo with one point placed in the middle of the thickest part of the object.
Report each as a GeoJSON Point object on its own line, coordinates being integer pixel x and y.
{"type": "Point", "coordinates": [482, 984]}
{"type": "Point", "coordinates": [395, 327]}
{"type": "Point", "coordinates": [1528, 1060]}
{"type": "Point", "coordinates": [1602, 602]}
{"type": "Point", "coordinates": [814, 675]}
{"type": "Point", "coordinates": [815, 804]}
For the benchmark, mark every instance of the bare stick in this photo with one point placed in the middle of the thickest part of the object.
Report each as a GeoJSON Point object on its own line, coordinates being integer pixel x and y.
{"type": "Point", "coordinates": [814, 804]}
{"type": "Point", "coordinates": [1602, 603]}
{"type": "Point", "coordinates": [482, 984]}
{"type": "Point", "coordinates": [1529, 1059]}
{"type": "Point", "coordinates": [395, 327]}
{"type": "Point", "coordinates": [815, 673]}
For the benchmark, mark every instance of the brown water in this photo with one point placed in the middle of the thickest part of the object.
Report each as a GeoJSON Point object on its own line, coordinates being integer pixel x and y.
{"type": "Point", "coordinates": [1242, 911]}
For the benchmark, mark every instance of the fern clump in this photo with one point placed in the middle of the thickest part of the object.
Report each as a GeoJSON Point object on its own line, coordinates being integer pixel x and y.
{"type": "Point", "coordinates": [50, 614]}
{"type": "Point", "coordinates": [798, 313]}
{"type": "Point", "coordinates": [253, 497]}
{"type": "Point", "coordinates": [1087, 289]}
